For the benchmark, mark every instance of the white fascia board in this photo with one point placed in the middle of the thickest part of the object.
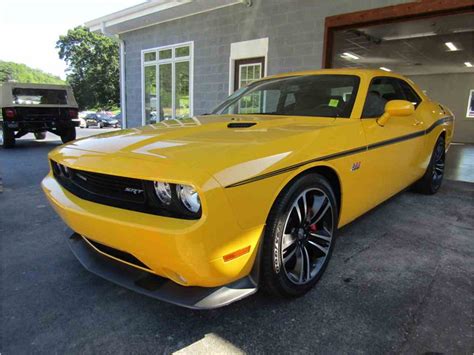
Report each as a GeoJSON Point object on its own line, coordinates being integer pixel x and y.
{"type": "Point", "coordinates": [133, 12]}
{"type": "Point", "coordinates": [146, 12]}
{"type": "Point", "coordinates": [156, 8]}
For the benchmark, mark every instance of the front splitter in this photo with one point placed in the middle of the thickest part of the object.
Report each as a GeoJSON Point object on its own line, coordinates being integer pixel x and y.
{"type": "Point", "coordinates": [158, 287]}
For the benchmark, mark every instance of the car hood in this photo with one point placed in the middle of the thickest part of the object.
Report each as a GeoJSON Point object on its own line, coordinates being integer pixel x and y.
{"type": "Point", "coordinates": [228, 147]}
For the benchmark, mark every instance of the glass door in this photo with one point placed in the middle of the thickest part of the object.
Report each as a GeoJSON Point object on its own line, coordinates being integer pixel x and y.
{"type": "Point", "coordinates": [167, 84]}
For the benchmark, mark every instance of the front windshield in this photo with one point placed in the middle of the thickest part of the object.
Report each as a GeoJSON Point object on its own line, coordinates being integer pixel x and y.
{"type": "Point", "coordinates": [323, 95]}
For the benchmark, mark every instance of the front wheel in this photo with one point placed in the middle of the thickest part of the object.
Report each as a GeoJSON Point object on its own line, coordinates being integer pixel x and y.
{"type": "Point", "coordinates": [430, 183]}
{"type": "Point", "coordinates": [299, 237]}
{"type": "Point", "coordinates": [7, 137]}
{"type": "Point", "coordinates": [69, 134]}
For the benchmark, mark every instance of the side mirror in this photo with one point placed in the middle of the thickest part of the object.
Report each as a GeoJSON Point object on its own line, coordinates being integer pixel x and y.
{"type": "Point", "coordinates": [396, 108]}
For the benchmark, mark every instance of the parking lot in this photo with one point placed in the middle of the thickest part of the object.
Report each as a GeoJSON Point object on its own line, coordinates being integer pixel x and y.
{"type": "Point", "coordinates": [400, 280]}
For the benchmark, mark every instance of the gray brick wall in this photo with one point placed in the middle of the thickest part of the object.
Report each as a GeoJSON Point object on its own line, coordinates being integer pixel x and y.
{"type": "Point", "coordinates": [295, 29]}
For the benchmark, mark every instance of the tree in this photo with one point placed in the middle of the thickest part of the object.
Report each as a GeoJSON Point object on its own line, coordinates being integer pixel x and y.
{"type": "Point", "coordinates": [24, 74]}
{"type": "Point", "coordinates": [93, 67]}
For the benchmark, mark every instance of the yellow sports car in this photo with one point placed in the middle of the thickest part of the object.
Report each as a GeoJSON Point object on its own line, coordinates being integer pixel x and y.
{"type": "Point", "coordinates": [204, 211]}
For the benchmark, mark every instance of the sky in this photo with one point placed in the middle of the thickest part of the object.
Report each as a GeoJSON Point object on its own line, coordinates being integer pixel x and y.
{"type": "Point", "coordinates": [29, 29]}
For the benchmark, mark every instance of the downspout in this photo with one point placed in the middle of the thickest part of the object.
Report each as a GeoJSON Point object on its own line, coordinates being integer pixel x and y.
{"type": "Point", "coordinates": [123, 103]}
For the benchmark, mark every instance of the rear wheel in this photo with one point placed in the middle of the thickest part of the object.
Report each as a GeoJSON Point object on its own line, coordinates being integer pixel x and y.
{"type": "Point", "coordinates": [430, 183]}
{"type": "Point", "coordinates": [69, 134]}
{"type": "Point", "coordinates": [40, 135]}
{"type": "Point", "coordinates": [299, 237]}
{"type": "Point", "coordinates": [7, 137]}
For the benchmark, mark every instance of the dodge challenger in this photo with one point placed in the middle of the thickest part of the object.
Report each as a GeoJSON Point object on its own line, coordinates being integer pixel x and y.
{"type": "Point", "coordinates": [204, 211]}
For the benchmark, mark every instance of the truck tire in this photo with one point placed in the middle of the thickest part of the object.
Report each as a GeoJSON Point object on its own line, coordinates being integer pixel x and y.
{"type": "Point", "coordinates": [7, 137]}
{"type": "Point", "coordinates": [40, 135]}
{"type": "Point", "coordinates": [69, 134]}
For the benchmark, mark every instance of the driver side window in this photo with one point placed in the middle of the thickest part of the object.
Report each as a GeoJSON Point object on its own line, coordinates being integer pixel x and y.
{"type": "Point", "coordinates": [381, 91]}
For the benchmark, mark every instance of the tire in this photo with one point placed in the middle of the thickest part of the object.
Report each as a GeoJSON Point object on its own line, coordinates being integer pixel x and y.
{"type": "Point", "coordinates": [431, 181]}
{"type": "Point", "coordinates": [40, 135]}
{"type": "Point", "coordinates": [7, 137]}
{"type": "Point", "coordinates": [101, 125]}
{"type": "Point", "coordinates": [69, 134]}
{"type": "Point", "coordinates": [291, 243]}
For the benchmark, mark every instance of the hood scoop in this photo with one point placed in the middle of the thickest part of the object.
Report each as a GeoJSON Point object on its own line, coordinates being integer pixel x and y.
{"type": "Point", "coordinates": [241, 124]}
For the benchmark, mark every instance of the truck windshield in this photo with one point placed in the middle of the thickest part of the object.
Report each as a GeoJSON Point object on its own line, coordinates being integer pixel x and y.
{"type": "Point", "coordinates": [30, 96]}
{"type": "Point", "coordinates": [322, 95]}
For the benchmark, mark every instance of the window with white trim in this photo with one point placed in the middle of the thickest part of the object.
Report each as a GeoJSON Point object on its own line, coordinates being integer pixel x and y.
{"type": "Point", "coordinates": [167, 82]}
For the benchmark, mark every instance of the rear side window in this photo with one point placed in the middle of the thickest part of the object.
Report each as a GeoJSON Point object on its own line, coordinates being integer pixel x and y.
{"type": "Point", "coordinates": [410, 94]}
{"type": "Point", "coordinates": [29, 96]}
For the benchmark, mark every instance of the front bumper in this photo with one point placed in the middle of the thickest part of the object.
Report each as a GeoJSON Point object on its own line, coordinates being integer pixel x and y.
{"type": "Point", "coordinates": [158, 287]}
{"type": "Point", "coordinates": [189, 252]}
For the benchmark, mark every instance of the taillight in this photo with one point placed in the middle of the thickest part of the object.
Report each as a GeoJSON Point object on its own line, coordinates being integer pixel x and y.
{"type": "Point", "coordinates": [10, 113]}
{"type": "Point", "coordinates": [72, 113]}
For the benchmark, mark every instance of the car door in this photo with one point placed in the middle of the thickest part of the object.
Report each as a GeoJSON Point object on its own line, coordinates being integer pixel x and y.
{"type": "Point", "coordinates": [394, 150]}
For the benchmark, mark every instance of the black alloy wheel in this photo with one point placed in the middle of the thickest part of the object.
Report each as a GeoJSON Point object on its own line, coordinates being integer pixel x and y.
{"type": "Point", "coordinates": [431, 181]}
{"type": "Point", "coordinates": [299, 236]}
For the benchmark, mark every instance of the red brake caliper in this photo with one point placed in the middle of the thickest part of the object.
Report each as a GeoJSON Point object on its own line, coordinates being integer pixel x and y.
{"type": "Point", "coordinates": [313, 228]}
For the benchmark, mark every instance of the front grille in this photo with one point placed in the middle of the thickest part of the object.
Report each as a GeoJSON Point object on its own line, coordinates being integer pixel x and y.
{"type": "Point", "coordinates": [109, 190]}
{"type": "Point", "coordinates": [119, 188]}
{"type": "Point", "coordinates": [119, 254]}
{"type": "Point", "coordinates": [116, 191]}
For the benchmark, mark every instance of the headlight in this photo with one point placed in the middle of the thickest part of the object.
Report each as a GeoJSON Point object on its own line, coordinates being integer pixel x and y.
{"type": "Point", "coordinates": [174, 200]}
{"type": "Point", "coordinates": [189, 197]}
{"type": "Point", "coordinates": [163, 191]}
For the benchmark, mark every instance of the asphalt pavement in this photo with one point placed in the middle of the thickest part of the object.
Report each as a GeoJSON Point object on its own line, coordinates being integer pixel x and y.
{"type": "Point", "coordinates": [400, 281]}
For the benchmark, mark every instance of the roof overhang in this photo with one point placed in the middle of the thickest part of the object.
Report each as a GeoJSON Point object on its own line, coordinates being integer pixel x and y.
{"type": "Point", "coordinates": [153, 12]}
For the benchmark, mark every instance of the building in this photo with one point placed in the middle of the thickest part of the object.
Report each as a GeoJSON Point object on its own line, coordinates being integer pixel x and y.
{"type": "Point", "coordinates": [182, 57]}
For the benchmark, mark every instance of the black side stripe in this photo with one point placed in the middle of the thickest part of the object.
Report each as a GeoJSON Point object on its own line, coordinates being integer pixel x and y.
{"type": "Point", "coordinates": [395, 140]}
{"type": "Point", "coordinates": [343, 154]}
{"type": "Point", "coordinates": [439, 123]}
{"type": "Point", "coordinates": [296, 166]}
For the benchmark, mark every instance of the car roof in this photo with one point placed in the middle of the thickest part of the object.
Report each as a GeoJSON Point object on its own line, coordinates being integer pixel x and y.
{"type": "Point", "coordinates": [339, 71]}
